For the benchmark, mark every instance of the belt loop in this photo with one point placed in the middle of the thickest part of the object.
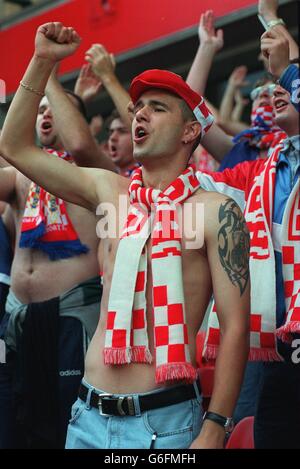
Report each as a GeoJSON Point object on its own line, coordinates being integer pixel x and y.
{"type": "Point", "coordinates": [136, 402]}
{"type": "Point", "coordinates": [198, 395]}
{"type": "Point", "coordinates": [88, 398]}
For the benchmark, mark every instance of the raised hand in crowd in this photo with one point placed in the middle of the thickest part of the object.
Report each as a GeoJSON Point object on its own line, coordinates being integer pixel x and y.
{"type": "Point", "coordinates": [236, 81]}
{"type": "Point", "coordinates": [103, 65]}
{"type": "Point", "coordinates": [275, 47]}
{"type": "Point", "coordinates": [237, 78]}
{"type": "Point", "coordinates": [211, 41]}
{"type": "Point", "coordinates": [268, 10]}
{"type": "Point", "coordinates": [208, 35]}
{"type": "Point", "coordinates": [240, 104]}
{"type": "Point", "coordinates": [55, 42]}
{"type": "Point", "coordinates": [88, 84]}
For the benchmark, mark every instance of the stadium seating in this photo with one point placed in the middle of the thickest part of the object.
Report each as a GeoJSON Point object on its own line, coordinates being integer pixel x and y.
{"type": "Point", "coordinates": [242, 436]}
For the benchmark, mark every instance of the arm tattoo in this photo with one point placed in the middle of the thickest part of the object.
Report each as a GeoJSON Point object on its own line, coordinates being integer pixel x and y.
{"type": "Point", "coordinates": [234, 242]}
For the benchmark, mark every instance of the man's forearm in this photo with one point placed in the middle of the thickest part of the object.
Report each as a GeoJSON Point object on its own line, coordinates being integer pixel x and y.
{"type": "Point", "coordinates": [227, 103]}
{"type": "Point", "coordinates": [73, 129]}
{"type": "Point", "coordinates": [229, 371]}
{"type": "Point", "coordinates": [199, 71]}
{"type": "Point", "coordinates": [119, 96]}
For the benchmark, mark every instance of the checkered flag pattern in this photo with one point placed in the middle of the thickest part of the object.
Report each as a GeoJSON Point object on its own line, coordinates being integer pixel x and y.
{"type": "Point", "coordinates": [259, 196]}
{"type": "Point", "coordinates": [126, 336]}
{"type": "Point", "coordinates": [291, 267]}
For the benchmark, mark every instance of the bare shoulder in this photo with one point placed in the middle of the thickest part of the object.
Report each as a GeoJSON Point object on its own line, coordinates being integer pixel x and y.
{"type": "Point", "coordinates": [211, 201]}
{"type": "Point", "coordinates": [227, 239]}
{"type": "Point", "coordinates": [220, 209]}
{"type": "Point", "coordinates": [107, 183]}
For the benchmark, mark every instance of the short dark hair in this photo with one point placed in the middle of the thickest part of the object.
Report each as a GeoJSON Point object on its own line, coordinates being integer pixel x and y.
{"type": "Point", "coordinates": [188, 115]}
{"type": "Point", "coordinates": [81, 105]}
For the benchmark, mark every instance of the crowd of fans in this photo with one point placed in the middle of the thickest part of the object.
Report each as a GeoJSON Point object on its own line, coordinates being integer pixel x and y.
{"type": "Point", "coordinates": [54, 269]}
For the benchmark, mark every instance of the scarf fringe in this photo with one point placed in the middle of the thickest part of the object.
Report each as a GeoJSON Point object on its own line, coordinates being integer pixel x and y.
{"type": "Point", "coordinates": [28, 238]}
{"type": "Point", "coordinates": [141, 354]}
{"type": "Point", "coordinates": [285, 332]}
{"type": "Point", "coordinates": [121, 356]}
{"type": "Point", "coordinates": [255, 354]}
{"type": "Point", "coordinates": [175, 372]}
{"type": "Point", "coordinates": [116, 356]}
{"type": "Point", "coordinates": [58, 249]}
{"type": "Point", "coordinates": [264, 355]}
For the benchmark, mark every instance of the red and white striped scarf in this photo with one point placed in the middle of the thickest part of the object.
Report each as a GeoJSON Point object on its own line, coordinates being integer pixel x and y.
{"type": "Point", "coordinates": [253, 183]}
{"type": "Point", "coordinates": [126, 335]}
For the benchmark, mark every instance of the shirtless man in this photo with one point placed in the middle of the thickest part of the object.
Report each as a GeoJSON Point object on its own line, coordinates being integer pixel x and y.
{"type": "Point", "coordinates": [164, 395]}
{"type": "Point", "coordinates": [37, 278]}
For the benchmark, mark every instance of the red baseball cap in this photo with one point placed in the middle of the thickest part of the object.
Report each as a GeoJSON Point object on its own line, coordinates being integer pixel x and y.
{"type": "Point", "coordinates": [169, 81]}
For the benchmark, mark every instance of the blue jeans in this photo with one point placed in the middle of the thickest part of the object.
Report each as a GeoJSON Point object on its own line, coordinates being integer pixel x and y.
{"type": "Point", "coordinates": [176, 426]}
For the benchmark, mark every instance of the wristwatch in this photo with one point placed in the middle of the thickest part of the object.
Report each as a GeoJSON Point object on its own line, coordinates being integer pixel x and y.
{"type": "Point", "coordinates": [226, 422]}
{"type": "Point", "coordinates": [273, 23]}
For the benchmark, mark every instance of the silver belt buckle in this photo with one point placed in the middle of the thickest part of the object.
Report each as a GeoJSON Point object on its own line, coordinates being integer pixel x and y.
{"type": "Point", "coordinates": [103, 396]}
{"type": "Point", "coordinates": [131, 410]}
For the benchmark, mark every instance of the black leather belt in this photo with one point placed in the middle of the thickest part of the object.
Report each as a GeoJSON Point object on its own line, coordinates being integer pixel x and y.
{"type": "Point", "coordinates": [109, 404]}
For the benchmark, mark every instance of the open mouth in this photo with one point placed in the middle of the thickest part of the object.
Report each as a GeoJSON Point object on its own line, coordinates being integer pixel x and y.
{"type": "Point", "coordinates": [280, 104]}
{"type": "Point", "coordinates": [140, 134]}
{"type": "Point", "coordinates": [112, 151]}
{"type": "Point", "coordinates": [46, 127]}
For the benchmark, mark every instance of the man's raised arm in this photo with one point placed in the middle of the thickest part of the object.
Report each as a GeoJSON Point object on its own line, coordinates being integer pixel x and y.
{"type": "Point", "coordinates": [73, 128]}
{"type": "Point", "coordinates": [103, 66]}
{"type": "Point", "coordinates": [216, 141]}
{"type": "Point", "coordinates": [53, 42]}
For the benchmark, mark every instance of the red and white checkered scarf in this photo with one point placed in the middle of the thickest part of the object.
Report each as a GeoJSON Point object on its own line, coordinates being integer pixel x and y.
{"type": "Point", "coordinates": [255, 182]}
{"type": "Point", "coordinates": [126, 335]}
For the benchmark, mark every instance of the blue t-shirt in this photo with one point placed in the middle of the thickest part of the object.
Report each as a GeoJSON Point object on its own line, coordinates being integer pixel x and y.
{"type": "Point", "coordinates": [240, 152]}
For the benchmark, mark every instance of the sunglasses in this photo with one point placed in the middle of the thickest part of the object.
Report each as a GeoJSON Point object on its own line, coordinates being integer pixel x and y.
{"type": "Point", "coordinates": [265, 88]}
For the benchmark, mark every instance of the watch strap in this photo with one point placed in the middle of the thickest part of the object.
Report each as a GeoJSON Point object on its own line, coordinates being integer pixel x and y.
{"type": "Point", "coordinates": [273, 23]}
{"type": "Point", "coordinates": [225, 422]}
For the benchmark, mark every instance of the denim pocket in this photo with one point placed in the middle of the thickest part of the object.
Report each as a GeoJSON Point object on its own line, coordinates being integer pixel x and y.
{"type": "Point", "coordinates": [76, 411]}
{"type": "Point", "coordinates": [174, 425]}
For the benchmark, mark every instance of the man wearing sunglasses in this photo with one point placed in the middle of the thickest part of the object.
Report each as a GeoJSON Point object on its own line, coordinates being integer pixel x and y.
{"type": "Point", "coordinates": [255, 142]}
{"type": "Point", "coordinates": [263, 89]}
